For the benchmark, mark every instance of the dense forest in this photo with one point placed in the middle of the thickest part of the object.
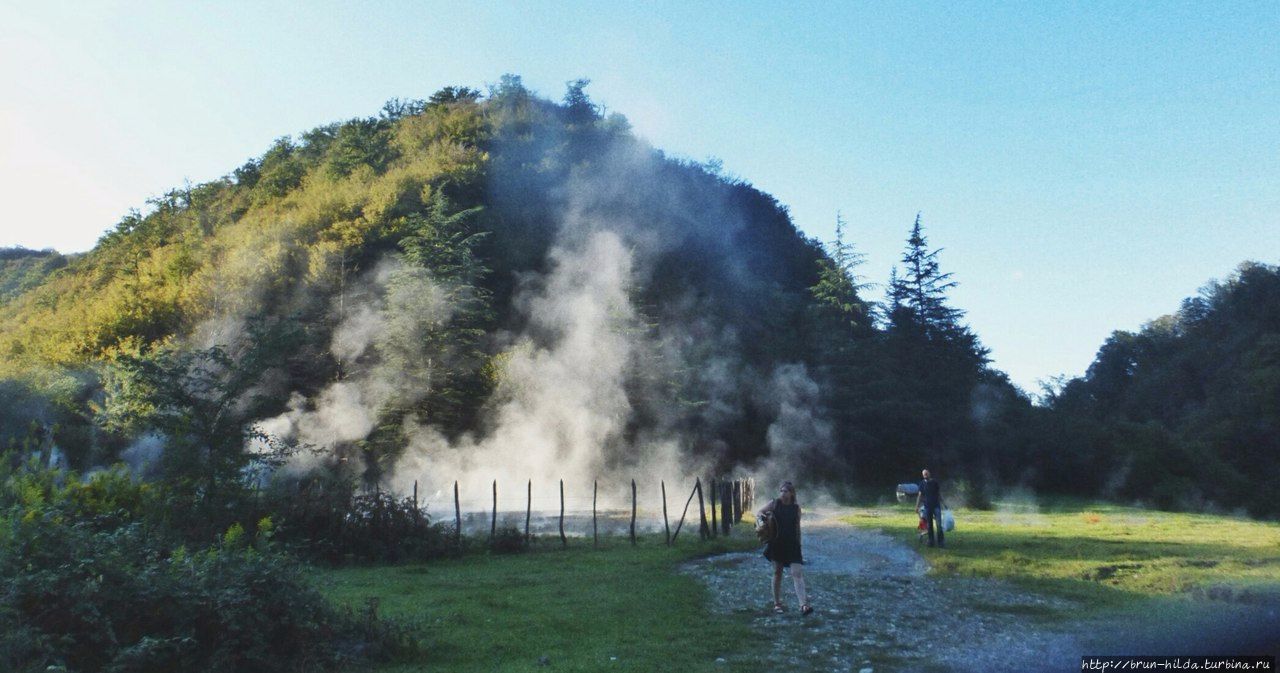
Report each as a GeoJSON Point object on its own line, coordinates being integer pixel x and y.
{"type": "Point", "coordinates": [1183, 413]}
{"type": "Point", "coordinates": [497, 279]}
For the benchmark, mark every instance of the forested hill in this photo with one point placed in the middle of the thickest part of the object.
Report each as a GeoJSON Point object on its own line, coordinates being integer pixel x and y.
{"type": "Point", "coordinates": [1184, 411]}
{"type": "Point", "coordinates": [22, 269]}
{"type": "Point", "coordinates": [465, 274]}
{"type": "Point", "coordinates": [498, 285]}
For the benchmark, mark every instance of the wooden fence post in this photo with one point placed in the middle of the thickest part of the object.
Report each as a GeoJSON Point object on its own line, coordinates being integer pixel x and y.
{"type": "Point", "coordinates": [457, 517]}
{"type": "Point", "coordinates": [493, 527]}
{"type": "Point", "coordinates": [564, 542]}
{"type": "Point", "coordinates": [595, 531]}
{"type": "Point", "coordinates": [376, 516]}
{"type": "Point", "coordinates": [715, 524]}
{"type": "Point", "coordinates": [633, 511]}
{"type": "Point", "coordinates": [416, 516]}
{"type": "Point", "coordinates": [703, 533]}
{"type": "Point", "coordinates": [666, 523]}
{"type": "Point", "coordinates": [726, 512]}
{"type": "Point", "coordinates": [528, 511]}
{"type": "Point", "coordinates": [682, 514]}
{"type": "Point", "coordinates": [737, 501]}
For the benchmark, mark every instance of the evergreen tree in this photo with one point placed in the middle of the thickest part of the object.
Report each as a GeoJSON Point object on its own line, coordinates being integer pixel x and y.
{"type": "Point", "coordinates": [838, 289]}
{"type": "Point", "coordinates": [937, 363]}
{"type": "Point", "coordinates": [432, 340]}
{"type": "Point", "coordinates": [841, 347]}
{"type": "Point", "coordinates": [919, 307]}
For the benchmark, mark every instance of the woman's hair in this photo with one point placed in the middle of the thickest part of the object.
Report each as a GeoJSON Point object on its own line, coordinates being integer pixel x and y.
{"type": "Point", "coordinates": [786, 484]}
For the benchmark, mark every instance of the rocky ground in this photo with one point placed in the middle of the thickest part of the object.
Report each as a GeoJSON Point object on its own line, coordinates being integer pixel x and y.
{"type": "Point", "coordinates": [876, 609]}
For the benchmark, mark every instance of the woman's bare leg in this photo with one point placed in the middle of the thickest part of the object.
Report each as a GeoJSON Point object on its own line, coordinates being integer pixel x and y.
{"type": "Point", "coordinates": [797, 576]}
{"type": "Point", "coordinates": [777, 584]}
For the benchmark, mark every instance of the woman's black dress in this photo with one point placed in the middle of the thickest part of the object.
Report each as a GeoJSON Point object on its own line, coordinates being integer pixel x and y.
{"type": "Point", "coordinates": [785, 548]}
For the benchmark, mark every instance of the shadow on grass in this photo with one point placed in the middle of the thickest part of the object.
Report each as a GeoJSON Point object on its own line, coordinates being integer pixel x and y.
{"type": "Point", "coordinates": [1100, 570]}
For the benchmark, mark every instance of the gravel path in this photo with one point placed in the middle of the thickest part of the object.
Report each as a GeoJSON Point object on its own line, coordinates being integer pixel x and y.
{"type": "Point", "coordinates": [875, 608]}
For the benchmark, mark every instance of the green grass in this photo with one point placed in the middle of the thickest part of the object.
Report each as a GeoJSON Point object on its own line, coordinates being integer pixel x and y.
{"type": "Point", "coordinates": [1102, 554]}
{"type": "Point", "coordinates": [618, 608]}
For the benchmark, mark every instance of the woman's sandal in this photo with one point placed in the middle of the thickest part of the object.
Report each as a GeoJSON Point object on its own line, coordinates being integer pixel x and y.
{"type": "Point", "coordinates": [806, 609]}
{"type": "Point", "coordinates": [778, 609]}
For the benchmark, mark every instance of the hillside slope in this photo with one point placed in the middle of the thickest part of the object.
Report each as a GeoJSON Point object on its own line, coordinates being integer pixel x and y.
{"type": "Point", "coordinates": [22, 269]}
{"type": "Point", "coordinates": [440, 273]}
{"type": "Point", "coordinates": [499, 286]}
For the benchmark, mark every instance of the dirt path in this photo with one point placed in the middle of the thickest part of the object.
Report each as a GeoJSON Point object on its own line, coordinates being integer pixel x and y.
{"type": "Point", "coordinates": [875, 608]}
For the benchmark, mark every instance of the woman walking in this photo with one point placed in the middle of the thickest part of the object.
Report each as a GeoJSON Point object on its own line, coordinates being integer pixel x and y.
{"type": "Point", "coordinates": [784, 549]}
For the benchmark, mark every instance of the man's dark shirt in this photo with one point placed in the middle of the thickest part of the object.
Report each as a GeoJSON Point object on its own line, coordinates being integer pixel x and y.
{"type": "Point", "coordinates": [931, 492]}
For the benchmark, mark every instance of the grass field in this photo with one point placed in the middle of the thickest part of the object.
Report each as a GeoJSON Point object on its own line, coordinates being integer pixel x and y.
{"type": "Point", "coordinates": [626, 608]}
{"type": "Point", "coordinates": [617, 608]}
{"type": "Point", "coordinates": [1102, 554]}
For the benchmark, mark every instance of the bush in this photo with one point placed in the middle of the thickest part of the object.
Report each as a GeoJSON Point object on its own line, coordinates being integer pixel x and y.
{"type": "Point", "coordinates": [328, 521]}
{"type": "Point", "coordinates": [78, 593]}
{"type": "Point", "coordinates": [508, 540]}
{"type": "Point", "coordinates": [106, 499]}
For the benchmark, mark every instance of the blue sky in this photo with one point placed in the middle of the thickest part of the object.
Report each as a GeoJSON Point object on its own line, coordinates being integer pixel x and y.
{"type": "Point", "coordinates": [1083, 165]}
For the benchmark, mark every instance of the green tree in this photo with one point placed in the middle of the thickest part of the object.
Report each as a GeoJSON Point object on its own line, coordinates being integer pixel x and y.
{"type": "Point", "coordinates": [841, 345]}
{"type": "Point", "coordinates": [203, 403]}
{"type": "Point", "coordinates": [396, 108]}
{"type": "Point", "coordinates": [1205, 382]}
{"type": "Point", "coordinates": [435, 320]}
{"type": "Point", "coordinates": [920, 317]}
{"type": "Point", "coordinates": [937, 364]}
{"type": "Point", "coordinates": [444, 242]}
{"type": "Point", "coordinates": [453, 94]}
{"type": "Point", "coordinates": [839, 287]}
{"type": "Point", "coordinates": [280, 171]}
{"type": "Point", "coordinates": [360, 142]}
{"type": "Point", "coordinates": [919, 296]}
{"type": "Point", "coordinates": [578, 106]}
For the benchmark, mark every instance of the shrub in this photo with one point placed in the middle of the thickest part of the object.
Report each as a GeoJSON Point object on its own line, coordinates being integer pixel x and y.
{"type": "Point", "coordinates": [78, 593]}
{"type": "Point", "coordinates": [508, 540]}
{"type": "Point", "coordinates": [328, 521]}
{"type": "Point", "coordinates": [107, 498]}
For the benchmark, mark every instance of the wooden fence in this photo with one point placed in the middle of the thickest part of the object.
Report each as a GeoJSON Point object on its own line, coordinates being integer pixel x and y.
{"type": "Point", "coordinates": [726, 500]}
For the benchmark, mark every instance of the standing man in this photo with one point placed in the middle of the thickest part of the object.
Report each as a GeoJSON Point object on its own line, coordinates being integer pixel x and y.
{"type": "Point", "coordinates": [930, 496]}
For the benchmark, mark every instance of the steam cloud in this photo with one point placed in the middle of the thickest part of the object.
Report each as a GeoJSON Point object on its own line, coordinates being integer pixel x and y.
{"type": "Point", "coordinates": [563, 405]}
{"type": "Point", "coordinates": [800, 432]}
{"type": "Point", "coordinates": [395, 301]}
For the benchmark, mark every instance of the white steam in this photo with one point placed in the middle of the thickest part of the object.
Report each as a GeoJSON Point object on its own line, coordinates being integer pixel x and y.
{"type": "Point", "coordinates": [386, 355]}
{"type": "Point", "coordinates": [143, 455]}
{"type": "Point", "coordinates": [561, 408]}
{"type": "Point", "coordinates": [572, 399]}
{"type": "Point", "coordinates": [799, 433]}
